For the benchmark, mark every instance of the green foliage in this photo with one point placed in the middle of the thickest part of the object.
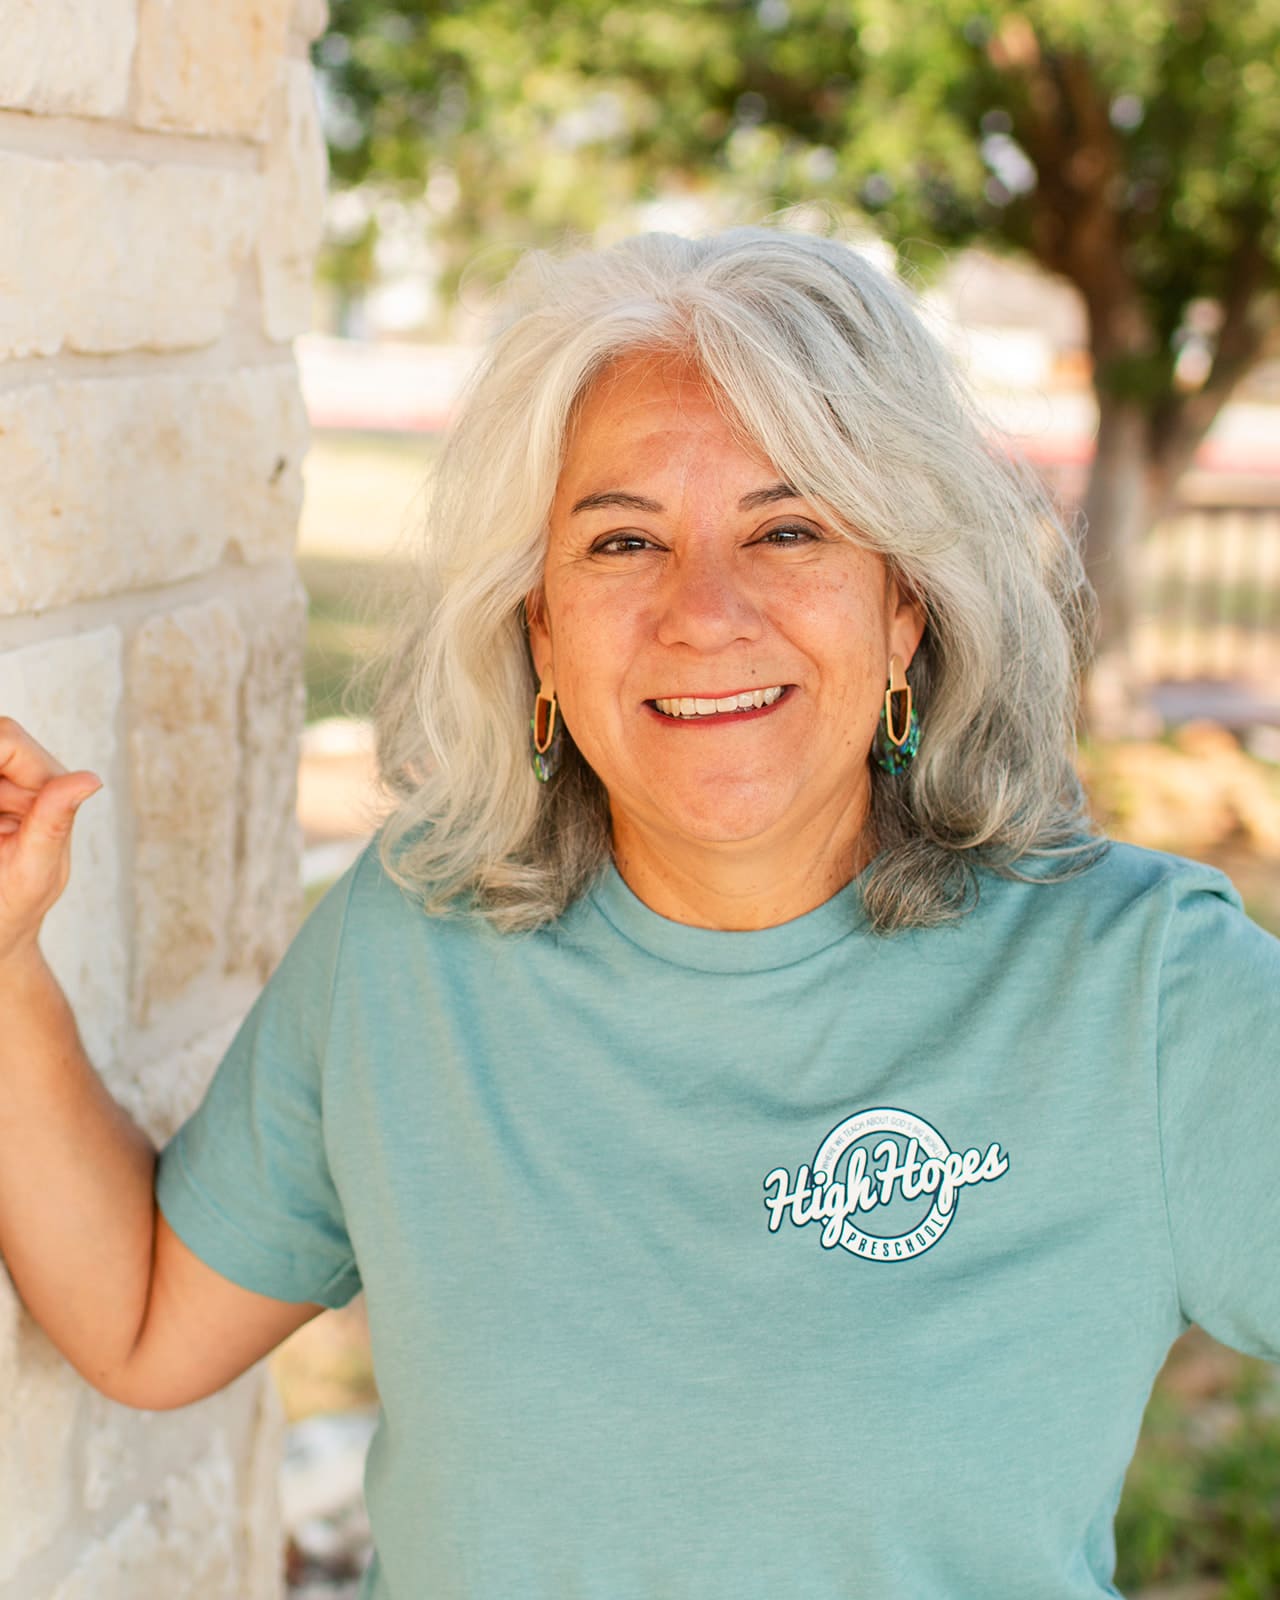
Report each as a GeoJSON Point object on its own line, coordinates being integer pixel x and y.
{"type": "Point", "coordinates": [959, 120]}
{"type": "Point", "coordinates": [1201, 1498]}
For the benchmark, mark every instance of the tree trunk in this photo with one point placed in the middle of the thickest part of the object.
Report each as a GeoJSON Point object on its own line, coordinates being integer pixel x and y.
{"type": "Point", "coordinates": [1118, 508]}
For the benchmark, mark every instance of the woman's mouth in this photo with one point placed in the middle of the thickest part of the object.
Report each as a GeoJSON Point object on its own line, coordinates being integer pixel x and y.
{"type": "Point", "coordinates": [720, 708]}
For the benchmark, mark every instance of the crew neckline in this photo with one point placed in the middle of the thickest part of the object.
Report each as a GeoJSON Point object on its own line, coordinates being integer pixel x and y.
{"type": "Point", "coordinates": [726, 950]}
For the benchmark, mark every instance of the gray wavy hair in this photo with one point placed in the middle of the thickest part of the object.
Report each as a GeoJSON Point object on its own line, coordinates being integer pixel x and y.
{"type": "Point", "coordinates": [825, 364]}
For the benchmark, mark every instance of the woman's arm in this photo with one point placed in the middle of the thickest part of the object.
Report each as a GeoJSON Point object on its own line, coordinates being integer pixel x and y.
{"type": "Point", "coordinates": [200, 1330]}
{"type": "Point", "coordinates": [75, 1179]}
{"type": "Point", "coordinates": [120, 1296]}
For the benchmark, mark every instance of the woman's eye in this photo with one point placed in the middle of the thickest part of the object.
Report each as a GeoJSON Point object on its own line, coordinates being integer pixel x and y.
{"type": "Point", "coordinates": [789, 534]}
{"type": "Point", "coordinates": [619, 544]}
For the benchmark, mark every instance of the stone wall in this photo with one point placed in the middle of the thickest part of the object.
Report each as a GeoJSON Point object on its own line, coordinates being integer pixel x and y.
{"type": "Point", "coordinates": [162, 180]}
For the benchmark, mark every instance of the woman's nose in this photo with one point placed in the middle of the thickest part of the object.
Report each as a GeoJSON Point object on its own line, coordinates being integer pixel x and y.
{"type": "Point", "coordinates": [707, 603]}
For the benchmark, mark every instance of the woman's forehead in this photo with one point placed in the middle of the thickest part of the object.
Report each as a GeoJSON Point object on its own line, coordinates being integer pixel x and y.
{"type": "Point", "coordinates": [652, 377]}
{"type": "Point", "coordinates": [650, 394]}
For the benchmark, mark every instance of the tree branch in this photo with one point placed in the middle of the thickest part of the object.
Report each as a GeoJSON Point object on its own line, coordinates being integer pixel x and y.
{"type": "Point", "coordinates": [1182, 421]}
{"type": "Point", "coordinates": [1077, 230]}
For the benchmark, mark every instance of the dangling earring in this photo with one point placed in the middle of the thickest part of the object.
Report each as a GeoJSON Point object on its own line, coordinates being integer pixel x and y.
{"type": "Point", "coordinates": [546, 736]}
{"type": "Point", "coordinates": [895, 751]}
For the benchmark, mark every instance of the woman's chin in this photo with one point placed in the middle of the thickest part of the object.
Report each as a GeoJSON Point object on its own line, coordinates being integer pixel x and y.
{"type": "Point", "coordinates": [740, 817]}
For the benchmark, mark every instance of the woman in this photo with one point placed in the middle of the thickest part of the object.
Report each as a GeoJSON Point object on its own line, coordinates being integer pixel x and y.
{"type": "Point", "coordinates": [778, 1141]}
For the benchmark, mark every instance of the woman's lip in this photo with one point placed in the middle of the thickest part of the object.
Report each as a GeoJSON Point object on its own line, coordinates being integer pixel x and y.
{"type": "Point", "coordinates": [719, 718]}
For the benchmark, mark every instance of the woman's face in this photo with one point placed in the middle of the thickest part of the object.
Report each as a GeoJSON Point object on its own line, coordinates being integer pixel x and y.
{"type": "Point", "coordinates": [682, 573]}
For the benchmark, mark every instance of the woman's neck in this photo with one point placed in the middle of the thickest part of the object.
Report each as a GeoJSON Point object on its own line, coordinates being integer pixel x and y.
{"type": "Point", "coordinates": [737, 885]}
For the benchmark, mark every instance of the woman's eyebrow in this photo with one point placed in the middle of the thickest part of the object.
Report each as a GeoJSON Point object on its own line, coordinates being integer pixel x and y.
{"type": "Point", "coordinates": [766, 497]}
{"type": "Point", "coordinates": [637, 502]}
{"type": "Point", "coordinates": [614, 497]}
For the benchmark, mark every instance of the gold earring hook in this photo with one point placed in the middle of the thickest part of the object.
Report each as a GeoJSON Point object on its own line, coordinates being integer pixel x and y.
{"type": "Point", "coordinates": [544, 712]}
{"type": "Point", "coordinates": [897, 685]}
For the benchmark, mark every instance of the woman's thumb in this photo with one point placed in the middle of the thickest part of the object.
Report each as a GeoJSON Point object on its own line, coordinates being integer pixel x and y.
{"type": "Point", "coordinates": [53, 811]}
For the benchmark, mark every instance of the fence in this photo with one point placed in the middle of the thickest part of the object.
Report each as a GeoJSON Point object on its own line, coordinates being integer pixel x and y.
{"type": "Point", "coordinates": [1209, 607]}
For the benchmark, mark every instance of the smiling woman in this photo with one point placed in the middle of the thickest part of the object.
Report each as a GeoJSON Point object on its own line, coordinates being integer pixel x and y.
{"type": "Point", "coordinates": [778, 1140]}
{"type": "Point", "coordinates": [645, 411]}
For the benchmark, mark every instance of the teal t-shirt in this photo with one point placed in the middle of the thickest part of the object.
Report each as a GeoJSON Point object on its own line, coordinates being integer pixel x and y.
{"type": "Point", "coordinates": [802, 1262]}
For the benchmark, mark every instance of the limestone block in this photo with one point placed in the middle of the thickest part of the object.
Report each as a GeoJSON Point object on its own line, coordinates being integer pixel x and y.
{"type": "Point", "coordinates": [267, 903]}
{"type": "Point", "coordinates": [10, 1313]}
{"type": "Point", "coordinates": [183, 671]}
{"type": "Point", "coordinates": [123, 1452]}
{"type": "Point", "coordinates": [260, 1498]}
{"type": "Point", "coordinates": [39, 73]}
{"type": "Point", "coordinates": [118, 1444]}
{"type": "Point", "coordinates": [161, 1092]}
{"type": "Point", "coordinates": [66, 694]}
{"type": "Point", "coordinates": [296, 176]}
{"type": "Point", "coordinates": [208, 68]}
{"type": "Point", "coordinates": [124, 483]}
{"type": "Point", "coordinates": [40, 1396]}
{"type": "Point", "coordinates": [179, 1542]}
{"type": "Point", "coordinates": [91, 261]}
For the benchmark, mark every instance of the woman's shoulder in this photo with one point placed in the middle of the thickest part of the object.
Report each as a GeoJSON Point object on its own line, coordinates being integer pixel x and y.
{"type": "Point", "coordinates": [383, 910]}
{"type": "Point", "coordinates": [1123, 893]}
{"type": "Point", "coordinates": [1150, 921]}
{"type": "Point", "coordinates": [1134, 869]}
{"type": "Point", "coordinates": [375, 905]}
{"type": "Point", "coordinates": [1115, 870]}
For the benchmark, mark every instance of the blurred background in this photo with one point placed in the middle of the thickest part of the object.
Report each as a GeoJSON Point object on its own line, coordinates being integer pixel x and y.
{"type": "Point", "coordinates": [1085, 196]}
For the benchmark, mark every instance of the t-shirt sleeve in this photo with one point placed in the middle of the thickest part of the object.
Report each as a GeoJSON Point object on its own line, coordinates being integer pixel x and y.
{"type": "Point", "coordinates": [245, 1181]}
{"type": "Point", "coordinates": [1218, 1066]}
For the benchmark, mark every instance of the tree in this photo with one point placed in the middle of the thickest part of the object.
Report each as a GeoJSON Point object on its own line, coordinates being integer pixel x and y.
{"type": "Point", "coordinates": [1129, 147]}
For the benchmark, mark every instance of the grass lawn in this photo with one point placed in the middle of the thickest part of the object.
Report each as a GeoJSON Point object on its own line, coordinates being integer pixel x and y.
{"type": "Point", "coordinates": [343, 627]}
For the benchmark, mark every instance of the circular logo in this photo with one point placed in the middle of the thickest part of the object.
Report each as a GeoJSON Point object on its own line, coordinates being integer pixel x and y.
{"type": "Point", "coordinates": [900, 1125]}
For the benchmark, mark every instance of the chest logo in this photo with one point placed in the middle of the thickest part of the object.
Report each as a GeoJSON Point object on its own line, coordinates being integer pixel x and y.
{"type": "Point", "coordinates": [884, 1185]}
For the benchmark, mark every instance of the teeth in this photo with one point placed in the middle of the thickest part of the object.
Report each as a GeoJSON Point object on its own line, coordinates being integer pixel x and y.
{"type": "Point", "coordinates": [749, 699]}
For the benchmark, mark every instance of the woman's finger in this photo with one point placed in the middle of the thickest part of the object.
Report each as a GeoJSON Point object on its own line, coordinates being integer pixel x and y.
{"type": "Point", "coordinates": [22, 760]}
{"type": "Point", "coordinates": [14, 799]}
{"type": "Point", "coordinates": [44, 830]}
{"type": "Point", "coordinates": [35, 858]}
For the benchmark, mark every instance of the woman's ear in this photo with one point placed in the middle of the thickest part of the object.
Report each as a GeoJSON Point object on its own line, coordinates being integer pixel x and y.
{"type": "Point", "coordinates": [907, 618]}
{"type": "Point", "coordinates": [535, 612]}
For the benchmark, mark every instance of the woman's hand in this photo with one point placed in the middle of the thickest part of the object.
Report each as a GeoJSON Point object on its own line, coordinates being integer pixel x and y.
{"type": "Point", "coordinates": [38, 802]}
